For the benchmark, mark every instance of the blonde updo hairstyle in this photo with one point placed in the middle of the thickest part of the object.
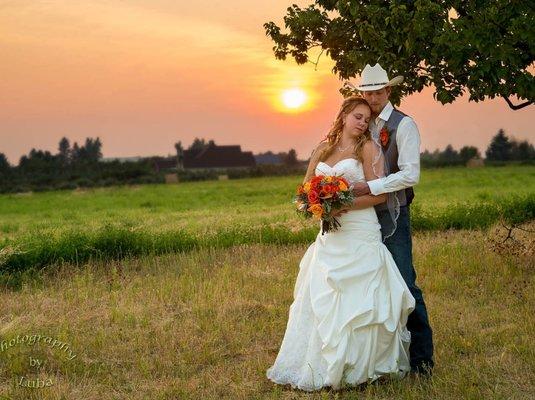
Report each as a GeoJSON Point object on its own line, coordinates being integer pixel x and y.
{"type": "Point", "coordinates": [335, 133]}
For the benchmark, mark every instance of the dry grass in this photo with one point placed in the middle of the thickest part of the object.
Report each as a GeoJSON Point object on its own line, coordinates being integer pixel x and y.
{"type": "Point", "coordinates": [209, 323]}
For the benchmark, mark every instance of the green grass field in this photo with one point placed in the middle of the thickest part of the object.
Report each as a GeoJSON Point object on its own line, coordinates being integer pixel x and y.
{"type": "Point", "coordinates": [39, 229]}
{"type": "Point", "coordinates": [207, 206]}
{"type": "Point", "coordinates": [208, 322]}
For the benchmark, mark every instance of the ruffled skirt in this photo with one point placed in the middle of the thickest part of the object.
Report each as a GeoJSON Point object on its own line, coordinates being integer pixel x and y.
{"type": "Point", "coordinates": [347, 323]}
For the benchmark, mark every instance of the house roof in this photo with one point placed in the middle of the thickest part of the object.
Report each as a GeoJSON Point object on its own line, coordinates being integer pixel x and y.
{"type": "Point", "coordinates": [214, 156]}
{"type": "Point", "coordinates": [268, 158]}
{"type": "Point", "coordinates": [165, 163]}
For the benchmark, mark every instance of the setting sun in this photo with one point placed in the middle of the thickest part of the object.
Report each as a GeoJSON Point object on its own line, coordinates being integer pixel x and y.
{"type": "Point", "coordinates": [294, 98]}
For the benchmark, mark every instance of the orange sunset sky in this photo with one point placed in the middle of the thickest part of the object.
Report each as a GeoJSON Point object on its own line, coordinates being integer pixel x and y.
{"type": "Point", "coordinates": [143, 74]}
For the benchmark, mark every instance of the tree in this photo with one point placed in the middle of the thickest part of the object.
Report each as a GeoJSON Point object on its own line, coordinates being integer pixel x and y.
{"type": "Point", "coordinates": [64, 149]}
{"type": "Point", "coordinates": [93, 150]}
{"type": "Point", "coordinates": [179, 155]}
{"type": "Point", "coordinates": [38, 161]}
{"type": "Point", "coordinates": [75, 155]}
{"type": "Point", "coordinates": [197, 146]}
{"type": "Point", "coordinates": [522, 151]}
{"type": "Point", "coordinates": [468, 152]}
{"type": "Point", "coordinates": [426, 155]}
{"type": "Point", "coordinates": [4, 164]}
{"type": "Point", "coordinates": [482, 47]}
{"type": "Point", "coordinates": [90, 152]}
{"type": "Point", "coordinates": [449, 156]}
{"type": "Point", "coordinates": [499, 148]}
{"type": "Point", "coordinates": [291, 158]}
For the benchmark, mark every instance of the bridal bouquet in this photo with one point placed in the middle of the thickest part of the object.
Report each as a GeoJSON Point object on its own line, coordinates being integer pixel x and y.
{"type": "Point", "coordinates": [320, 196]}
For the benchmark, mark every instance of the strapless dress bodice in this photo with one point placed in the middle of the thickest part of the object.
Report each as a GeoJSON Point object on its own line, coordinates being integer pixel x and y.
{"type": "Point", "coordinates": [363, 222]}
{"type": "Point", "coordinates": [350, 168]}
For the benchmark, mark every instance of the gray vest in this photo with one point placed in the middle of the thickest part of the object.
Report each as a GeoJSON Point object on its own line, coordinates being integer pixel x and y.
{"type": "Point", "coordinates": [405, 196]}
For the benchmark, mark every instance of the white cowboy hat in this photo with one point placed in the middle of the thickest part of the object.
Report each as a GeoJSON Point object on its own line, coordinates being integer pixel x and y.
{"type": "Point", "coordinates": [374, 78]}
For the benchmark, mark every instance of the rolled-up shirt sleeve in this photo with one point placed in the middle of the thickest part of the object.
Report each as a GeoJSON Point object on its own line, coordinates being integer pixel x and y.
{"type": "Point", "coordinates": [408, 142]}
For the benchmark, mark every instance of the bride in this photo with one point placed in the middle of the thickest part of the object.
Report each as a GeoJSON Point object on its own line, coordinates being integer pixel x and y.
{"type": "Point", "coordinates": [347, 323]}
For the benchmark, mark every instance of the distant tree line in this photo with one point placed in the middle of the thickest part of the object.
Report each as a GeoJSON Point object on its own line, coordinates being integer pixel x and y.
{"type": "Point", "coordinates": [449, 156]}
{"type": "Point", "coordinates": [71, 167]}
{"type": "Point", "coordinates": [501, 149]}
{"type": "Point", "coordinates": [82, 165]}
{"type": "Point", "coordinates": [77, 165]}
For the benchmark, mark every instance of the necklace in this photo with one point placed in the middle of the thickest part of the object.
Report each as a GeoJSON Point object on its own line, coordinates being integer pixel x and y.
{"type": "Point", "coordinates": [345, 148]}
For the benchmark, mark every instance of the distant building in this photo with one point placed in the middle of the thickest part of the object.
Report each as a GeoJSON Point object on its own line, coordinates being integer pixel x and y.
{"type": "Point", "coordinates": [212, 156]}
{"type": "Point", "coordinates": [475, 162]}
{"type": "Point", "coordinates": [165, 164]}
{"type": "Point", "coordinates": [268, 158]}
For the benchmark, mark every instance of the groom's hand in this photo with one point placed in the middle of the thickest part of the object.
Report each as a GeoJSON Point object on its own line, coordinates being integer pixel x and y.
{"type": "Point", "coordinates": [361, 189]}
{"type": "Point", "coordinates": [340, 211]}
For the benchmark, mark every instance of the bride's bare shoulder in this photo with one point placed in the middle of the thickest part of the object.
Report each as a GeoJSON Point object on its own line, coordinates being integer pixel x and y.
{"type": "Point", "coordinates": [319, 148]}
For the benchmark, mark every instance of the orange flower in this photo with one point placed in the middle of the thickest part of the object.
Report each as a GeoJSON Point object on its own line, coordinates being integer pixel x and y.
{"type": "Point", "coordinates": [326, 192]}
{"type": "Point", "coordinates": [342, 179]}
{"type": "Point", "coordinates": [316, 210]}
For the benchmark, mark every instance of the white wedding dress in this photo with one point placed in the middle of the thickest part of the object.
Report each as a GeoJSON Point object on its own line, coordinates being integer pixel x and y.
{"type": "Point", "coordinates": [346, 325]}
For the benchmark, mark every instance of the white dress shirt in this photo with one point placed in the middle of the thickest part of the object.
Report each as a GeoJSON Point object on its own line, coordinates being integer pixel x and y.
{"type": "Point", "coordinates": [408, 142]}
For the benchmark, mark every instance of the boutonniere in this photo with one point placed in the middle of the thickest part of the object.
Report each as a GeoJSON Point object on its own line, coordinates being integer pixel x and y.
{"type": "Point", "coordinates": [384, 136]}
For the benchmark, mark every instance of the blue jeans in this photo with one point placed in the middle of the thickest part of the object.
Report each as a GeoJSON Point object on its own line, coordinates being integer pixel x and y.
{"type": "Point", "coordinates": [400, 245]}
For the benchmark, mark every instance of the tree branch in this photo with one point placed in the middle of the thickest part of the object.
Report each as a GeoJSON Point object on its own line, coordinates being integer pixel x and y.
{"type": "Point", "coordinates": [517, 106]}
{"type": "Point", "coordinates": [317, 60]}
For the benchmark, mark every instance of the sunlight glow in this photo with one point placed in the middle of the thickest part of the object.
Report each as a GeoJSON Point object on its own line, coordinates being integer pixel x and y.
{"type": "Point", "coordinates": [294, 98]}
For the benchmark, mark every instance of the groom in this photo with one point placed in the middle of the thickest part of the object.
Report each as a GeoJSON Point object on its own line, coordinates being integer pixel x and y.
{"type": "Point", "coordinates": [400, 140]}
